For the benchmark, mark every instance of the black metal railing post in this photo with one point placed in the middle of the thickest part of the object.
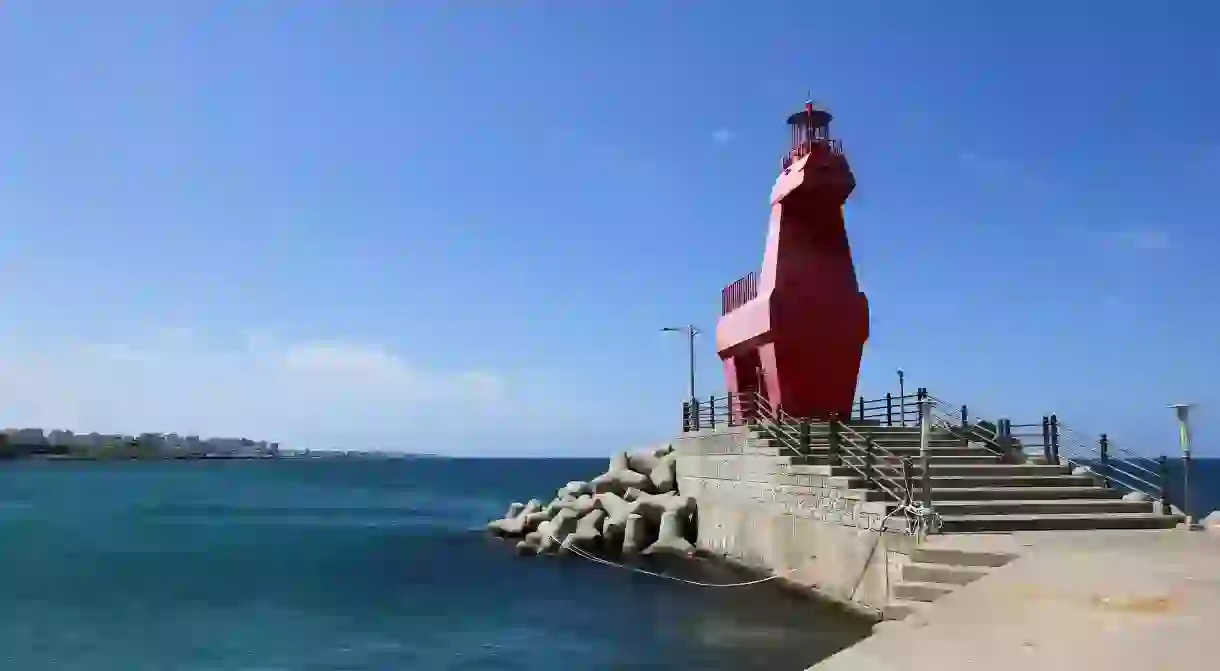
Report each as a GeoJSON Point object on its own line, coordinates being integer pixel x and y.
{"type": "Point", "coordinates": [889, 410]}
{"type": "Point", "coordinates": [861, 408]}
{"type": "Point", "coordinates": [1103, 446]}
{"type": "Point", "coordinates": [1162, 470]}
{"type": "Point", "coordinates": [803, 436]}
{"type": "Point", "coordinates": [728, 408]}
{"type": "Point", "coordinates": [832, 441]}
{"type": "Point", "coordinates": [1046, 438]}
{"type": "Point", "coordinates": [965, 416]}
{"type": "Point", "coordinates": [685, 416]}
{"type": "Point", "coordinates": [694, 414]}
{"type": "Point", "coordinates": [1055, 439]}
{"type": "Point", "coordinates": [711, 412]}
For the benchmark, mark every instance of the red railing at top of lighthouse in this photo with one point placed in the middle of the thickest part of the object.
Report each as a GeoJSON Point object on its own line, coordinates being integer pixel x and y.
{"type": "Point", "coordinates": [831, 146]}
{"type": "Point", "coordinates": [738, 293]}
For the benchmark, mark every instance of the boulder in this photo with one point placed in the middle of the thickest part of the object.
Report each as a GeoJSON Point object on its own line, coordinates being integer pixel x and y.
{"type": "Point", "coordinates": [615, 506]}
{"type": "Point", "coordinates": [620, 481]}
{"type": "Point", "coordinates": [533, 541]}
{"type": "Point", "coordinates": [515, 525]}
{"type": "Point", "coordinates": [588, 531]}
{"type": "Point", "coordinates": [531, 521]}
{"type": "Point", "coordinates": [632, 494]}
{"type": "Point", "coordinates": [635, 534]}
{"type": "Point", "coordinates": [664, 476]}
{"type": "Point", "coordinates": [619, 462]}
{"type": "Point", "coordinates": [580, 505]}
{"type": "Point", "coordinates": [670, 537]}
{"type": "Point", "coordinates": [563, 524]}
{"type": "Point", "coordinates": [514, 509]}
{"type": "Point", "coordinates": [574, 489]}
{"type": "Point", "coordinates": [653, 506]}
{"type": "Point", "coordinates": [643, 461]}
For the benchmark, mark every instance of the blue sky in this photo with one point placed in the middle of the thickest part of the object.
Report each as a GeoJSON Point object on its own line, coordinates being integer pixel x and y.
{"type": "Point", "coordinates": [457, 226]}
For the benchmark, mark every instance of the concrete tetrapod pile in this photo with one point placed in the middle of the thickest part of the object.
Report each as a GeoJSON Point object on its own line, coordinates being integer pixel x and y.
{"type": "Point", "coordinates": [632, 508]}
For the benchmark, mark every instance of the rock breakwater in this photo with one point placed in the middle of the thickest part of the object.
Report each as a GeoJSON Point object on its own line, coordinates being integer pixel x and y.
{"type": "Point", "coordinates": [634, 508]}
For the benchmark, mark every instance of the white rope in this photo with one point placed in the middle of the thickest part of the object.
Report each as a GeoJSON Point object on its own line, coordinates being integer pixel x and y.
{"type": "Point", "coordinates": [583, 554]}
{"type": "Point", "coordinates": [926, 520]}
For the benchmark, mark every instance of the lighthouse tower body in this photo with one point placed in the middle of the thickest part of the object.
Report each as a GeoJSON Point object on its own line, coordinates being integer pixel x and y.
{"type": "Point", "coordinates": [795, 332]}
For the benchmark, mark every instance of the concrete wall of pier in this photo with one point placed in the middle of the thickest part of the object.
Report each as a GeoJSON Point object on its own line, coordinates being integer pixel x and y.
{"type": "Point", "coordinates": [756, 510]}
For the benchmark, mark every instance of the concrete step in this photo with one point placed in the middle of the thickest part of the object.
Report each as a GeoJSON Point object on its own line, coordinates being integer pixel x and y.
{"type": "Point", "coordinates": [899, 609]}
{"type": "Point", "coordinates": [881, 435]}
{"type": "Point", "coordinates": [977, 523]}
{"type": "Point", "coordinates": [964, 458]}
{"type": "Point", "coordinates": [960, 558]}
{"type": "Point", "coordinates": [972, 481]}
{"type": "Point", "coordinates": [921, 591]}
{"type": "Point", "coordinates": [912, 453]}
{"type": "Point", "coordinates": [945, 470]}
{"type": "Point", "coordinates": [1022, 492]}
{"type": "Point", "coordinates": [942, 573]}
{"type": "Point", "coordinates": [986, 493]}
{"type": "Point", "coordinates": [1043, 507]}
{"type": "Point", "coordinates": [880, 439]}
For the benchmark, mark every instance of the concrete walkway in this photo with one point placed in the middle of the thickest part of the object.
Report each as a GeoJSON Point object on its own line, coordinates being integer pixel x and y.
{"type": "Point", "coordinates": [1113, 600]}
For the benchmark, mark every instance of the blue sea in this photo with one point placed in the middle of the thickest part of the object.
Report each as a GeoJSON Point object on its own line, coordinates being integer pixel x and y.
{"type": "Point", "coordinates": [327, 565]}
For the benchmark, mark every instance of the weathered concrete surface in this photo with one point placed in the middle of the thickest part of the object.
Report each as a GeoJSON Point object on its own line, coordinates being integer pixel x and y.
{"type": "Point", "coordinates": [1111, 600]}
{"type": "Point", "coordinates": [759, 511]}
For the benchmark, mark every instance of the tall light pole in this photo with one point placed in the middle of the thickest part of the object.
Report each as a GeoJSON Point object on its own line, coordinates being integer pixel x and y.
{"type": "Point", "coordinates": [1183, 412]}
{"type": "Point", "coordinates": [902, 399]}
{"type": "Point", "coordinates": [690, 332]}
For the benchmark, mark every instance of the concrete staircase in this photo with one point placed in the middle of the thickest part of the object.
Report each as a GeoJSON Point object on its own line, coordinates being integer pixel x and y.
{"type": "Point", "coordinates": [935, 571]}
{"type": "Point", "coordinates": [978, 497]}
{"type": "Point", "coordinates": [973, 490]}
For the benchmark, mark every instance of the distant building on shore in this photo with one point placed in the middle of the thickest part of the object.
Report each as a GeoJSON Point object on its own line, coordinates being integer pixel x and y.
{"type": "Point", "coordinates": [172, 444]}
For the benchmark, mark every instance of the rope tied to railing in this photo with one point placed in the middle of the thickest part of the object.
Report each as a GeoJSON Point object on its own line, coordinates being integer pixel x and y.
{"type": "Point", "coordinates": [921, 520]}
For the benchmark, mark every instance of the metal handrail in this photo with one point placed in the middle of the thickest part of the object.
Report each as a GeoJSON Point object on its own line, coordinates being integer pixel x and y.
{"type": "Point", "coordinates": [1064, 429]}
{"type": "Point", "coordinates": [975, 430]}
{"type": "Point", "coordinates": [1125, 472]}
{"type": "Point", "coordinates": [851, 436]}
{"type": "Point", "coordinates": [734, 409]}
{"type": "Point", "coordinates": [1109, 467]}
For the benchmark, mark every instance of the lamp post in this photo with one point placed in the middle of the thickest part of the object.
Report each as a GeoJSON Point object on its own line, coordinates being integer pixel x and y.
{"type": "Point", "coordinates": [902, 400]}
{"type": "Point", "coordinates": [1183, 413]}
{"type": "Point", "coordinates": [690, 332]}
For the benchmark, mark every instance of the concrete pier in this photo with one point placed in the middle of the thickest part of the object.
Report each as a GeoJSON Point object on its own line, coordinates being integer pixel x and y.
{"type": "Point", "coordinates": [1100, 599]}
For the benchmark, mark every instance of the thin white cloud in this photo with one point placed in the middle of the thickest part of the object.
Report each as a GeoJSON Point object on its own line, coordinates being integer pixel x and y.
{"type": "Point", "coordinates": [723, 136]}
{"type": "Point", "coordinates": [1142, 240]}
{"type": "Point", "coordinates": [306, 394]}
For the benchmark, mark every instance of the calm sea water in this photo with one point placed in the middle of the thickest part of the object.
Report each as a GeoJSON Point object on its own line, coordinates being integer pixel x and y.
{"type": "Point", "coordinates": [352, 565]}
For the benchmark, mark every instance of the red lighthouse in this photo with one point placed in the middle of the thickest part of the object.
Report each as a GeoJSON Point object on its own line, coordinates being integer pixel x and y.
{"type": "Point", "coordinates": [795, 332]}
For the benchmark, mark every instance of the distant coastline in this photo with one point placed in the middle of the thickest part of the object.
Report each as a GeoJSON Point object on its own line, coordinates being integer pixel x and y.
{"type": "Point", "coordinates": [64, 445]}
{"type": "Point", "coordinates": [61, 445]}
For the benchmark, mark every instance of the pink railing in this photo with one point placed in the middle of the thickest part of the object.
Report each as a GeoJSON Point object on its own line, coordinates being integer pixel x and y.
{"type": "Point", "coordinates": [736, 294]}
